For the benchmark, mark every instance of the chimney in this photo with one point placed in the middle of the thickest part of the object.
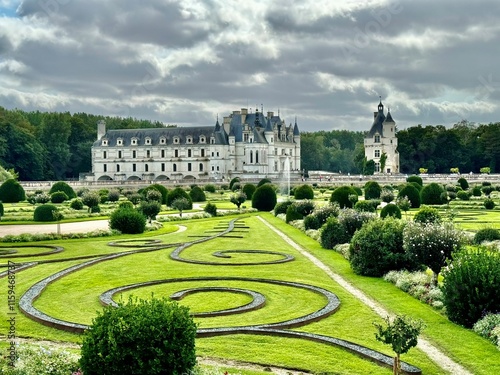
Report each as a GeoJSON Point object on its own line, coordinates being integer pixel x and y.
{"type": "Point", "coordinates": [270, 114]}
{"type": "Point", "coordinates": [101, 129]}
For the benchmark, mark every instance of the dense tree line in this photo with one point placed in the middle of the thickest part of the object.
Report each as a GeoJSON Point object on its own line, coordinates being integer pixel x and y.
{"type": "Point", "coordinates": [53, 146]}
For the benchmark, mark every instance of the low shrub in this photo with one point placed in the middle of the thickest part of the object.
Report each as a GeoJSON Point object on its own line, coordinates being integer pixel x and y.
{"type": "Point", "coordinates": [390, 210]}
{"type": "Point", "coordinates": [264, 198]}
{"type": "Point", "coordinates": [63, 186]}
{"type": "Point", "coordinates": [58, 197]}
{"type": "Point", "coordinates": [292, 214]}
{"type": "Point", "coordinates": [387, 196]}
{"type": "Point", "coordinates": [353, 220]}
{"type": "Point", "coordinates": [303, 192]}
{"type": "Point", "coordinates": [45, 212]}
{"type": "Point", "coordinates": [126, 204]}
{"type": "Point", "coordinates": [486, 190]}
{"type": "Point", "coordinates": [432, 194]}
{"type": "Point", "coordinates": [341, 196]}
{"type": "Point", "coordinates": [325, 212]}
{"type": "Point", "coordinates": [476, 191]}
{"type": "Point", "coordinates": [128, 221]}
{"type": "Point", "coordinates": [486, 234]}
{"type": "Point", "coordinates": [140, 337]}
{"type": "Point", "coordinates": [485, 326]}
{"type": "Point", "coordinates": [95, 209]}
{"type": "Point", "coordinates": [364, 206]}
{"type": "Point", "coordinates": [210, 188]}
{"type": "Point", "coordinates": [471, 284]}
{"type": "Point", "coordinates": [333, 233]}
{"type": "Point", "coordinates": [211, 209]}
{"type": "Point", "coordinates": [304, 207]}
{"type": "Point", "coordinates": [76, 204]}
{"type": "Point", "coordinates": [197, 194]}
{"type": "Point", "coordinates": [463, 195]}
{"type": "Point", "coordinates": [489, 204]}
{"type": "Point", "coordinates": [113, 195]}
{"type": "Point", "coordinates": [311, 222]}
{"type": "Point", "coordinates": [427, 215]}
{"type": "Point", "coordinates": [281, 207]}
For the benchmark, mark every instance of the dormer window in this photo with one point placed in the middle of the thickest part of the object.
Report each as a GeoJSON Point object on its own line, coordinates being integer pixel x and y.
{"type": "Point", "coordinates": [189, 139]}
{"type": "Point", "coordinates": [119, 142]}
{"type": "Point", "coordinates": [163, 140]}
{"type": "Point", "coordinates": [202, 139]}
{"type": "Point", "coordinates": [104, 142]}
{"type": "Point", "coordinates": [134, 142]}
{"type": "Point", "coordinates": [377, 138]}
{"type": "Point", "coordinates": [176, 140]}
{"type": "Point", "coordinates": [148, 141]}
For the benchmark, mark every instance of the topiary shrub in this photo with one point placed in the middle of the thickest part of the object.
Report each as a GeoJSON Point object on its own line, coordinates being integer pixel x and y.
{"type": "Point", "coordinates": [292, 214]}
{"type": "Point", "coordinates": [303, 192]}
{"type": "Point", "coordinates": [463, 195]}
{"type": "Point", "coordinates": [341, 196]}
{"type": "Point", "coordinates": [487, 190]}
{"type": "Point", "coordinates": [210, 188]}
{"type": "Point", "coordinates": [463, 183]}
{"type": "Point", "coordinates": [489, 204]}
{"type": "Point", "coordinates": [263, 181]}
{"type": "Point", "coordinates": [63, 186]}
{"type": "Point", "coordinates": [128, 221]}
{"type": "Point", "coordinates": [233, 181]}
{"type": "Point", "coordinates": [178, 193]}
{"type": "Point", "coordinates": [11, 191]}
{"type": "Point", "coordinates": [248, 190]}
{"type": "Point", "coordinates": [76, 204]}
{"type": "Point", "coordinates": [45, 212]}
{"type": "Point", "coordinates": [281, 207]}
{"type": "Point", "coordinates": [427, 215]}
{"type": "Point", "coordinates": [264, 198]}
{"type": "Point", "coordinates": [113, 195]}
{"type": "Point", "coordinates": [126, 204]}
{"type": "Point", "coordinates": [304, 207]}
{"type": "Point", "coordinates": [372, 190]}
{"type": "Point", "coordinates": [140, 337]}
{"type": "Point", "coordinates": [353, 220]}
{"type": "Point", "coordinates": [486, 183]}
{"type": "Point", "coordinates": [364, 206]}
{"type": "Point", "coordinates": [236, 186]}
{"type": "Point", "coordinates": [432, 194]}
{"type": "Point", "coordinates": [471, 284]}
{"type": "Point", "coordinates": [95, 209]}
{"type": "Point", "coordinates": [91, 199]}
{"type": "Point", "coordinates": [311, 222]}
{"type": "Point", "coordinates": [333, 233]}
{"type": "Point", "coordinates": [150, 209]}
{"type": "Point", "coordinates": [211, 209]}
{"type": "Point", "coordinates": [486, 234]}
{"type": "Point", "coordinates": [415, 178]}
{"type": "Point", "coordinates": [58, 197]}
{"type": "Point", "coordinates": [476, 191]}
{"type": "Point", "coordinates": [390, 210]}
{"type": "Point", "coordinates": [358, 190]}
{"type": "Point", "coordinates": [197, 195]}
{"type": "Point", "coordinates": [377, 248]}
{"type": "Point", "coordinates": [158, 187]}
{"type": "Point", "coordinates": [325, 212]}
{"type": "Point", "coordinates": [412, 193]}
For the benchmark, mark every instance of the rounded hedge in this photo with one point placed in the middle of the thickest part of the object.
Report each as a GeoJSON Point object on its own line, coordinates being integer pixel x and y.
{"type": "Point", "coordinates": [415, 178]}
{"type": "Point", "coordinates": [63, 186]}
{"type": "Point", "coordinates": [264, 198]}
{"type": "Point", "coordinates": [211, 209]}
{"type": "Point", "coordinates": [311, 222]}
{"type": "Point", "coordinates": [140, 337]}
{"type": "Point", "coordinates": [303, 192]}
{"type": "Point", "coordinates": [129, 221]}
{"type": "Point", "coordinates": [476, 191]}
{"type": "Point", "coordinates": [11, 191]}
{"type": "Point", "coordinates": [341, 196]}
{"type": "Point", "coordinates": [432, 194]}
{"type": "Point", "coordinates": [248, 190]}
{"type": "Point", "coordinates": [333, 233]}
{"type": "Point", "coordinates": [463, 195]}
{"type": "Point", "coordinates": [113, 195]}
{"type": "Point", "coordinates": [233, 181]}
{"type": "Point", "coordinates": [178, 193]}
{"type": "Point", "coordinates": [58, 197]}
{"type": "Point", "coordinates": [264, 181]}
{"type": "Point", "coordinates": [489, 204]}
{"type": "Point", "coordinates": [470, 286]}
{"type": "Point", "coordinates": [210, 188]}
{"type": "Point", "coordinates": [390, 210]}
{"type": "Point", "coordinates": [365, 206]}
{"type": "Point", "coordinates": [372, 190]}
{"type": "Point", "coordinates": [427, 215]}
{"type": "Point", "coordinates": [197, 194]}
{"type": "Point", "coordinates": [412, 193]}
{"type": "Point", "coordinates": [76, 204]}
{"type": "Point", "coordinates": [281, 207]}
{"type": "Point", "coordinates": [486, 234]}
{"type": "Point", "coordinates": [463, 183]}
{"type": "Point", "coordinates": [45, 212]}
{"type": "Point", "coordinates": [292, 214]}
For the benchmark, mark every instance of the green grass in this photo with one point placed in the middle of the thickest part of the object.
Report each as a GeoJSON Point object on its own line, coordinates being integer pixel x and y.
{"type": "Point", "coordinates": [75, 298]}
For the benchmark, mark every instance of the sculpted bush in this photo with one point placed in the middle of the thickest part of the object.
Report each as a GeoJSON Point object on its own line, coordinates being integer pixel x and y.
{"type": "Point", "coordinates": [46, 212]}
{"type": "Point", "coordinates": [126, 220]}
{"type": "Point", "coordinates": [264, 198]}
{"type": "Point", "coordinates": [11, 191]}
{"type": "Point", "coordinates": [341, 196]}
{"type": "Point", "coordinates": [63, 186]}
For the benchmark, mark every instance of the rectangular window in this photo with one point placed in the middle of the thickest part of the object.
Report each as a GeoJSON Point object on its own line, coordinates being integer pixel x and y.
{"type": "Point", "coordinates": [377, 153]}
{"type": "Point", "coordinates": [213, 168]}
{"type": "Point", "coordinates": [119, 154]}
{"type": "Point", "coordinates": [162, 153]}
{"type": "Point", "coordinates": [104, 155]}
{"type": "Point", "coordinates": [134, 167]}
{"type": "Point", "coordinates": [148, 153]}
{"type": "Point", "coordinates": [217, 153]}
{"type": "Point", "coordinates": [134, 154]}
{"type": "Point", "coordinates": [146, 168]}
{"type": "Point", "coordinates": [189, 167]}
{"type": "Point", "coordinates": [377, 139]}
{"type": "Point", "coordinates": [245, 137]}
{"type": "Point", "coordinates": [189, 153]}
{"type": "Point", "coordinates": [118, 167]}
{"type": "Point", "coordinates": [202, 152]}
{"type": "Point", "coordinates": [163, 167]}
{"type": "Point", "coordinates": [105, 168]}
{"type": "Point", "coordinates": [176, 153]}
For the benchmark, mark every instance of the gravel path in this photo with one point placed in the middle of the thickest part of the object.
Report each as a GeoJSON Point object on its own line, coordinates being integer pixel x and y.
{"type": "Point", "coordinates": [441, 359]}
{"type": "Point", "coordinates": [78, 227]}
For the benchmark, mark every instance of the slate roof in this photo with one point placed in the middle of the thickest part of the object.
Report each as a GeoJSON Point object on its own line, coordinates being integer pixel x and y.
{"type": "Point", "coordinates": [377, 125]}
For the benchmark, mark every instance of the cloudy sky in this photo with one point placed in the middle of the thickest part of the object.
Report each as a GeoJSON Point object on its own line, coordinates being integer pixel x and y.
{"type": "Point", "coordinates": [185, 61]}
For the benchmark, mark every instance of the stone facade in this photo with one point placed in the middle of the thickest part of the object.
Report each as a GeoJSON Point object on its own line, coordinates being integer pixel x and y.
{"type": "Point", "coordinates": [245, 145]}
{"type": "Point", "coordinates": [382, 139]}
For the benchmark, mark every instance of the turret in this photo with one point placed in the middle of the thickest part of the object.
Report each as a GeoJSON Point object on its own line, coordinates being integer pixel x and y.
{"type": "Point", "coordinates": [101, 129]}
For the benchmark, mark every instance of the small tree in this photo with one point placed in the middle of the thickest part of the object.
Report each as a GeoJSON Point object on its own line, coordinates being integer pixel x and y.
{"type": "Point", "coordinates": [91, 199]}
{"type": "Point", "coordinates": [383, 161]}
{"type": "Point", "coordinates": [404, 204]}
{"type": "Point", "coordinates": [211, 209]}
{"type": "Point", "coordinates": [150, 209]}
{"type": "Point", "coordinates": [177, 193]}
{"type": "Point", "coordinates": [181, 204]}
{"type": "Point", "coordinates": [249, 189]}
{"type": "Point", "coordinates": [402, 334]}
{"type": "Point", "coordinates": [238, 199]}
{"type": "Point", "coordinates": [153, 195]}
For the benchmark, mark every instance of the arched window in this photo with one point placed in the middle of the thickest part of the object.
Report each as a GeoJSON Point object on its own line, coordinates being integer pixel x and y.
{"type": "Point", "coordinates": [201, 167]}
{"type": "Point", "coordinates": [251, 157]}
{"type": "Point", "coordinates": [174, 167]}
{"type": "Point", "coordinates": [118, 167]}
{"type": "Point", "coordinates": [146, 168]}
{"type": "Point", "coordinates": [257, 156]}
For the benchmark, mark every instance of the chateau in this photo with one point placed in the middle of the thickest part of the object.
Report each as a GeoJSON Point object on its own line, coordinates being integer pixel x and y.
{"type": "Point", "coordinates": [381, 140]}
{"type": "Point", "coordinates": [245, 145]}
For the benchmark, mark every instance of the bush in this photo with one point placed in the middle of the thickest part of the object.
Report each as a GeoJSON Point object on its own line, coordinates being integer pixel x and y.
{"type": "Point", "coordinates": [304, 207]}
{"type": "Point", "coordinates": [432, 194]}
{"type": "Point", "coordinates": [311, 222]}
{"type": "Point", "coordinates": [463, 195]}
{"type": "Point", "coordinates": [364, 206]}
{"type": "Point", "coordinates": [303, 192]}
{"type": "Point", "coordinates": [150, 209]}
{"type": "Point", "coordinates": [76, 204]}
{"type": "Point", "coordinates": [372, 190]}
{"type": "Point", "coordinates": [333, 233]}
{"type": "Point", "coordinates": [281, 207]}
{"type": "Point", "coordinates": [126, 204]}
{"type": "Point", "coordinates": [248, 190]}
{"type": "Point", "coordinates": [45, 212]}
{"type": "Point", "coordinates": [390, 210]}
{"type": "Point", "coordinates": [427, 215]}
{"type": "Point", "coordinates": [197, 195]}
{"type": "Point", "coordinates": [113, 195]}
{"type": "Point", "coordinates": [487, 190]}
{"type": "Point", "coordinates": [412, 193]}
{"type": "Point", "coordinates": [476, 191]}
{"type": "Point", "coordinates": [471, 285]}
{"type": "Point", "coordinates": [353, 220]}
{"type": "Point", "coordinates": [387, 195]}
{"type": "Point", "coordinates": [210, 188]}
{"type": "Point", "coordinates": [58, 197]}
{"type": "Point", "coordinates": [485, 326]}
{"type": "Point", "coordinates": [233, 181]}
{"type": "Point", "coordinates": [416, 179]}
{"type": "Point", "coordinates": [489, 204]}
{"type": "Point", "coordinates": [90, 199]}
{"type": "Point", "coordinates": [263, 181]}
{"type": "Point", "coordinates": [140, 337]}
{"type": "Point", "coordinates": [463, 183]}
{"type": "Point", "coordinates": [264, 198]}
{"type": "Point", "coordinates": [126, 220]}
{"type": "Point", "coordinates": [236, 186]}
{"type": "Point", "coordinates": [358, 190]}
{"type": "Point", "coordinates": [486, 183]}
{"type": "Point", "coordinates": [11, 191]}
{"type": "Point", "coordinates": [292, 214]}
{"type": "Point", "coordinates": [176, 194]}
{"type": "Point", "coordinates": [162, 189]}
{"type": "Point", "coordinates": [377, 248]}
{"type": "Point", "coordinates": [341, 196]}
{"type": "Point", "coordinates": [211, 209]}
{"type": "Point", "coordinates": [95, 209]}
{"type": "Point", "coordinates": [486, 234]}
{"type": "Point", "coordinates": [63, 186]}
{"type": "Point", "coordinates": [325, 212]}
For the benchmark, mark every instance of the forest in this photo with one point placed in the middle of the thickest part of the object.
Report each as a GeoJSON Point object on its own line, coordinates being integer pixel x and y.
{"type": "Point", "coordinates": [57, 146]}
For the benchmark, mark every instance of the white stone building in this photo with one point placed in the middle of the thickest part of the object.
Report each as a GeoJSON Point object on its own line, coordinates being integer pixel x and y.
{"type": "Point", "coordinates": [246, 145]}
{"type": "Point", "coordinates": [380, 140]}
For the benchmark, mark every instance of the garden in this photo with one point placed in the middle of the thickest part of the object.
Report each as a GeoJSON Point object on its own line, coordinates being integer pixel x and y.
{"type": "Point", "coordinates": [274, 289]}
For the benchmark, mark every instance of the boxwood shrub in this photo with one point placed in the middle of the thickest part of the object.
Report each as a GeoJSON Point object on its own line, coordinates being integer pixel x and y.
{"type": "Point", "coordinates": [63, 186]}
{"type": "Point", "coordinates": [432, 194]}
{"type": "Point", "coordinates": [303, 192]}
{"type": "Point", "coordinates": [197, 194]}
{"type": "Point", "coordinates": [341, 196]}
{"type": "Point", "coordinates": [58, 197]}
{"type": "Point", "coordinates": [486, 234]}
{"type": "Point", "coordinates": [412, 193]}
{"type": "Point", "coordinates": [45, 212]}
{"type": "Point", "coordinates": [11, 191]}
{"type": "Point", "coordinates": [390, 210]}
{"type": "Point", "coordinates": [126, 220]}
{"type": "Point", "coordinates": [264, 198]}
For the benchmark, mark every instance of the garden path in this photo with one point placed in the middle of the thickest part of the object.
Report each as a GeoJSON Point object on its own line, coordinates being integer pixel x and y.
{"type": "Point", "coordinates": [441, 359]}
